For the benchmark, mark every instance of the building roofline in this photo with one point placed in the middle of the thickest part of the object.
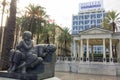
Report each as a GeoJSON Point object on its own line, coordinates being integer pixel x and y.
{"type": "Point", "coordinates": [95, 28]}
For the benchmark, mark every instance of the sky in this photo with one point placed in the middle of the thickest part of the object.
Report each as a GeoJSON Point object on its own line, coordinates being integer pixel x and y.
{"type": "Point", "coordinates": [62, 10]}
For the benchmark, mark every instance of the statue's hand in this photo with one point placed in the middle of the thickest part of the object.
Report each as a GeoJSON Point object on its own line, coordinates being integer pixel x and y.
{"type": "Point", "coordinates": [40, 58]}
{"type": "Point", "coordinates": [44, 54]}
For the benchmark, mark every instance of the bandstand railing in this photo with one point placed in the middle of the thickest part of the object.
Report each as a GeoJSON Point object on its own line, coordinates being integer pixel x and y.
{"type": "Point", "coordinates": [97, 59]}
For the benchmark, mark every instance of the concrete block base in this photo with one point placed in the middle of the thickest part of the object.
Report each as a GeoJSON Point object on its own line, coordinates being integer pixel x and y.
{"type": "Point", "coordinates": [89, 68]}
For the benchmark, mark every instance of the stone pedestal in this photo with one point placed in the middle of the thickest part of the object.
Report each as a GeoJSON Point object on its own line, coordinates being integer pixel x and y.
{"type": "Point", "coordinates": [26, 76]}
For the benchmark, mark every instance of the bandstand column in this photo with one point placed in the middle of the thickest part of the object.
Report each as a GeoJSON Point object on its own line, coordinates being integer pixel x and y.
{"type": "Point", "coordinates": [78, 49]}
{"type": "Point", "coordinates": [87, 59]}
{"type": "Point", "coordinates": [111, 55]}
{"type": "Point", "coordinates": [81, 55]}
{"type": "Point", "coordinates": [104, 54]}
{"type": "Point", "coordinates": [74, 49]}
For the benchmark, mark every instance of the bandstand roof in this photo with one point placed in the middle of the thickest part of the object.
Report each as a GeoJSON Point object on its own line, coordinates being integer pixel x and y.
{"type": "Point", "coordinates": [95, 35]}
{"type": "Point", "coordinates": [96, 30]}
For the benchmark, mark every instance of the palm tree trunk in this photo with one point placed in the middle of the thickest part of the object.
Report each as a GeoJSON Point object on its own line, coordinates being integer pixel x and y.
{"type": "Point", "coordinates": [31, 26]}
{"type": "Point", "coordinates": [8, 37]}
{"type": "Point", "coordinates": [16, 36]}
{"type": "Point", "coordinates": [115, 52]}
{"type": "Point", "coordinates": [113, 25]}
{"type": "Point", "coordinates": [61, 50]}
{"type": "Point", "coordinates": [54, 36]}
{"type": "Point", "coordinates": [37, 40]}
{"type": "Point", "coordinates": [47, 39]}
{"type": "Point", "coordinates": [65, 52]}
{"type": "Point", "coordinates": [92, 54]}
{"type": "Point", "coordinates": [4, 4]}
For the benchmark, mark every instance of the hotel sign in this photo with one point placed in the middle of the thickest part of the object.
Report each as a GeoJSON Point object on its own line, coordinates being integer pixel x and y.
{"type": "Point", "coordinates": [91, 5]}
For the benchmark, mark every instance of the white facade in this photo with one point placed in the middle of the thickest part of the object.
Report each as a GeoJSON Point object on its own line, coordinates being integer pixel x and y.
{"type": "Point", "coordinates": [96, 36]}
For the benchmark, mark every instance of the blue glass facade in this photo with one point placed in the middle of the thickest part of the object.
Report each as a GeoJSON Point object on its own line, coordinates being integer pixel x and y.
{"type": "Point", "coordinates": [86, 20]}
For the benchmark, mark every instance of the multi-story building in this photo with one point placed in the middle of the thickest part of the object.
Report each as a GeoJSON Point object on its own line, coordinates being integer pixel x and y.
{"type": "Point", "coordinates": [91, 14]}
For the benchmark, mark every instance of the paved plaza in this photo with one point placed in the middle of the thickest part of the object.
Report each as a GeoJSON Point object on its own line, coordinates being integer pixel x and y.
{"type": "Point", "coordinates": [75, 76]}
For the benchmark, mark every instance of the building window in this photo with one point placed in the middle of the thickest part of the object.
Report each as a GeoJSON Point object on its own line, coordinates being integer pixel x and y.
{"type": "Point", "coordinates": [75, 17]}
{"type": "Point", "coordinates": [93, 21]}
{"type": "Point", "coordinates": [80, 28]}
{"type": "Point", "coordinates": [80, 22]}
{"type": "Point", "coordinates": [86, 26]}
{"type": "Point", "coordinates": [77, 27]}
{"type": "Point", "coordinates": [98, 49]}
{"type": "Point", "coordinates": [83, 27]}
{"type": "Point", "coordinates": [105, 14]}
{"type": "Point", "coordinates": [93, 16]}
{"type": "Point", "coordinates": [75, 22]}
{"type": "Point", "coordinates": [80, 17]}
{"type": "Point", "coordinates": [87, 21]}
{"type": "Point", "coordinates": [99, 15]}
{"type": "Point", "coordinates": [99, 21]}
{"type": "Point", "coordinates": [86, 16]}
{"type": "Point", "coordinates": [74, 27]}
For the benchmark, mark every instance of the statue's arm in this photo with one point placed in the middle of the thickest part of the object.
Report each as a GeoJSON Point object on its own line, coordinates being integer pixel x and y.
{"type": "Point", "coordinates": [28, 46]}
{"type": "Point", "coordinates": [19, 45]}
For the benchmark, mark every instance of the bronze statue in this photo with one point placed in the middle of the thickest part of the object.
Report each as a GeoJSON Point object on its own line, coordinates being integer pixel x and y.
{"type": "Point", "coordinates": [24, 55]}
{"type": "Point", "coordinates": [29, 62]}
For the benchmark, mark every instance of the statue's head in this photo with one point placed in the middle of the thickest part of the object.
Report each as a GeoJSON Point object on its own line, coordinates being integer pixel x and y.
{"type": "Point", "coordinates": [50, 48]}
{"type": "Point", "coordinates": [27, 35]}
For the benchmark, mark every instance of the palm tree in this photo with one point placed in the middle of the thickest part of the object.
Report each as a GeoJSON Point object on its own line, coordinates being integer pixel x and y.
{"type": "Point", "coordinates": [31, 21]}
{"type": "Point", "coordinates": [17, 31]}
{"type": "Point", "coordinates": [45, 37]}
{"type": "Point", "coordinates": [3, 10]}
{"type": "Point", "coordinates": [64, 39]}
{"type": "Point", "coordinates": [48, 33]}
{"type": "Point", "coordinates": [53, 32]}
{"type": "Point", "coordinates": [8, 36]}
{"type": "Point", "coordinates": [111, 21]}
{"type": "Point", "coordinates": [36, 14]}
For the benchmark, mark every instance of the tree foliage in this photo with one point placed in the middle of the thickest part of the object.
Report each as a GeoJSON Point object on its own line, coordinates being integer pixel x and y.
{"type": "Point", "coordinates": [64, 39]}
{"type": "Point", "coordinates": [112, 21]}
{"type": "Point", "coordinates": [32, 19]}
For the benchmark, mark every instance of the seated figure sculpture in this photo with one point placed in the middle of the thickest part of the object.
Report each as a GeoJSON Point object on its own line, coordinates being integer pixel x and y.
{"type": "Point", "coordinates": [26, 55]}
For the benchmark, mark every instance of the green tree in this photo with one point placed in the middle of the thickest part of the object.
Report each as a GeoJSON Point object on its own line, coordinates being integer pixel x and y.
{"type": "Point", "coordinates": [33, 17]}
{"type": "Point", "coordinates": [111, 21]}
{"type": "Point", "coordinates": [46, 33]}
{"type": "Point", "coordinates": [3, 11]}
{"type": "Point", "coordinates": [8, 36]}
{"type": "Point", "coordinates": [17, 31]}
{"type": "Point", "coordinates": [53, 32]}
{"type": "Point", "coordinates": [45, 37]}
{"type": "Point", "coordinates": [64, 39]}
